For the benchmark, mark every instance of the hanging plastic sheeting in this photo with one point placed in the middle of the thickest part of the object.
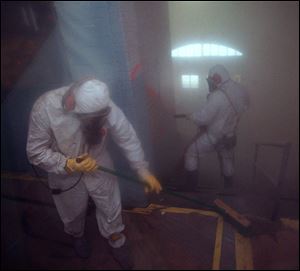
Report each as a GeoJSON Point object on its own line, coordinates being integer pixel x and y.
{"type": "Point", "coordinates": [94, 46]}
{"type": "Point", "coordinates": [45, 71]}
{"type": "Point", "coordinates": [97, 39]}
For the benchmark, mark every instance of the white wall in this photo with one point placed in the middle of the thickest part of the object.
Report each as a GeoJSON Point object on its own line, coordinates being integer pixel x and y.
{"type": "Point", "coordinates": [267, 35]}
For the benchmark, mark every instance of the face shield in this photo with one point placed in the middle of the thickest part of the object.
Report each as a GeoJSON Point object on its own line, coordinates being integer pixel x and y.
{"type": "Point", "coordinates": [211, 84]}
{"type": "Point", "coordinates": [92, 124]}
{"type": "Point", "coordinates": [217, 76]}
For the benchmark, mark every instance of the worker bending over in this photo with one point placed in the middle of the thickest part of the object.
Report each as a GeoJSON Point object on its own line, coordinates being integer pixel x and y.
{"type": "Point", "coordinates": [74, 122]}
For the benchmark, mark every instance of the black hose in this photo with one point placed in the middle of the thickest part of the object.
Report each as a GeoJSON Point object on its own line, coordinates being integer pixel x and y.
{"type": "Point", "coordinates": [56, 191]}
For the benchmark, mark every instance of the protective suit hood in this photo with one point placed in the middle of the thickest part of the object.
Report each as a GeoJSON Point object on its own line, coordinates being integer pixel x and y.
{"type": "Point", "coordinates": [92, 96]}
{"type": "Point", "coordinates": [219, 75]}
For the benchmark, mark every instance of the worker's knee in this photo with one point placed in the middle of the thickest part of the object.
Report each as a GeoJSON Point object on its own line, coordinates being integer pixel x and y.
{"type": "Point", "coordinates": [228, 168]}
{"type": "Point", "coordinates": [190, 162]}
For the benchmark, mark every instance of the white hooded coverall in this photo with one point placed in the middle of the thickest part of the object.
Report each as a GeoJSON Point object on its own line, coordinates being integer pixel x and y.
{"type": "Point", "coordinates": [220, 119]}
{"type": "Point", "coordinates": [55, 135]}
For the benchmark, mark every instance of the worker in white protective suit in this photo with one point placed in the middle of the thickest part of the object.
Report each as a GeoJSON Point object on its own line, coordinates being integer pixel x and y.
{"type": "Point", "coordinates": [74, 122]}
{"type": "Point", "coordinates": [217, 121]}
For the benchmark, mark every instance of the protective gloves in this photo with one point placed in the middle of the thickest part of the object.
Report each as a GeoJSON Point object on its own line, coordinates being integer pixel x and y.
{"type": "Point", "coordinates": [83, 163]}
{"type": "Point", "coordinates": [152, 183]}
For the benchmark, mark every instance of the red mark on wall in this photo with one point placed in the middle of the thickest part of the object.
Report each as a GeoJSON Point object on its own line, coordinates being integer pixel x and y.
{"type": "Point", "coordinates": [134, 72]}
{"type": "Point", "coordinates": [151, 92]}
{"type": "Point", "coordinates": [157, 127]}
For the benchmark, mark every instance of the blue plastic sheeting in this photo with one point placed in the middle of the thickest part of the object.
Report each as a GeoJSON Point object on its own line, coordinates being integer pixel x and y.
{"type": "Point", "coordinates": [45, 72]}
{"type": "Point", "coordinates": [89, 42]}
{"type": "Point", "coordinates": [94, 46]}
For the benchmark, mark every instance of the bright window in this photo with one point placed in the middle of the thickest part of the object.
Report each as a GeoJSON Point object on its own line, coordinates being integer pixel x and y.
{"type": "Point", "coordinates": [205, 50]}
{"type": "Point", "coordinates": [190, 81]}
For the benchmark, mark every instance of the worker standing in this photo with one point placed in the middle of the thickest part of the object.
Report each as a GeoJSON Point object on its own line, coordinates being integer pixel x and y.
{"type": "Point", "coordinates": [74, 122]}
{"type": "Point", "coordinates": [217, 121]}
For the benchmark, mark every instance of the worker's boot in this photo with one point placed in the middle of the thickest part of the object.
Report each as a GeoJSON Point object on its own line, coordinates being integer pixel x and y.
{"type": "Point", "coordinates": [191, 180]}
{"type": "Point", "coordinates": [82, 247]}
{"type": "Point", "coordinates": [228, 188]}
{"type": "Point", "coordinates": [228, 182]}
{"type": "Point", "coordinates": [122, 254]}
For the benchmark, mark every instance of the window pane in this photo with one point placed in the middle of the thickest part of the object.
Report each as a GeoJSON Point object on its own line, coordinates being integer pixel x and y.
{"type": "Point", "coordinates": [185, 81]}
{"type": "Point", "coordinates": [190, 81]}
{"type": "Point", "coordinates": [204, 50]}
{"type": "Point", "coordinates": [194, 81]}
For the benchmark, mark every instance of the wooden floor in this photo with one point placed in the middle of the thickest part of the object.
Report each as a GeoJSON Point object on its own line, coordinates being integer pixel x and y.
{"type": "Point", "coordinates": [277, 252]}
{"type": "Point", "coordinates": [169, 234]}
{"type": "Point", "coordinates": [158, 240]}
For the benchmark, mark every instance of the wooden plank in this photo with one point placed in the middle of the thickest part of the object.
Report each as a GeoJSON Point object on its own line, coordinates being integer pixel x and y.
{"type": "Point", "coordinates": [218, 244]}
{"type": "Point", "coordinates": [189, 211]}
{"type": "Point", "coordinates": [291, 223]}
{"type": "Point", "coordinates": [243, 253]}
{"type": "Point", "coordinates": [164, 209]}
{"type": "Point", "coordinates": [232, 213]}
{"type": "Point", "coordinates": [22, 177]}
